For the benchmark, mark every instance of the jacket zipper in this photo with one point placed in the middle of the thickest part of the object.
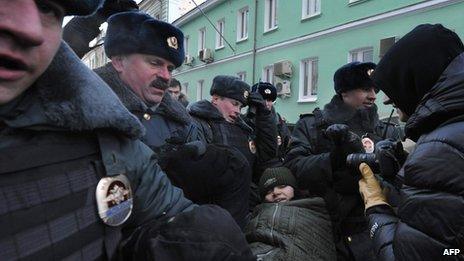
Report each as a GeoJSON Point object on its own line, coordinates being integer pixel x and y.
{"type": "Point", "coordinates": [273, 221]}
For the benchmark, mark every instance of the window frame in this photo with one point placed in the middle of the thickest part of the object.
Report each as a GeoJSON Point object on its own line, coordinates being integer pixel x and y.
{"type": "Point", "coordinates": [358, 51]}
{"type": "Point", "coordinates": [304, 8]}
{"type": "Point", "coordinates": [219, 40]}
{"type": "Point", "coordinates": [200, 84]}
{"type": "Point", "coordinates": [186, 44]}
{"type": "Point", "coordinates": [314, 82]}
{"type": "Point", "coordinates": [242, 24]}
{"type": "Point", "coordinates": [270, 15]}
{"type": "Point", "coordinates": [268, 70]}
{"type": "Point", "coordinates": [201, 39]}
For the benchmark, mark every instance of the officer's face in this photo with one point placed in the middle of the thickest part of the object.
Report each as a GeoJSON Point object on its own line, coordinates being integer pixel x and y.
{"type": "Point", "coordinates": [147, 75]}
{"type": "Point", "coordinates": [359, 98]}
{"type": "Point", "coordinates": [229, 108]}
{"type": "Point", "coordinates": [174, 92]}
{"type": "Point", "coordinates": [30, 35]}
{"type": "Point", "coordinates": [269, 104]}
{"type": "Point", "coordinates": [281, 193]}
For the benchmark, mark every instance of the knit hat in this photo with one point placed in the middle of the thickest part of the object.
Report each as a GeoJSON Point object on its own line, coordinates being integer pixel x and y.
{"type": "Point", "coordinates": [355, 75]}
{"type": "Point", "coordinates": [413, 65]}
{"type": "Point", "coordinates": [273, 177]}
{"type": "Point", "coordinates": [137, 32]}
{"type": "Point", "coordinates": [79, 7]}
{"type": "Point", "coordinates": [267, 90]}
{"type": "Point", "coordinates": [231, 87]}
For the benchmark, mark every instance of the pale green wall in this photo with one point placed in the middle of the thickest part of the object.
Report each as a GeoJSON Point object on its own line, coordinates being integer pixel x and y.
{"type": "Point", "coordinates": [332, 50]}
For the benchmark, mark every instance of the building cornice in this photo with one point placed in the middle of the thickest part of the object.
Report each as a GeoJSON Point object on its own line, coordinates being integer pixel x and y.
{"type": "Point", "coordinates": [411, 9]}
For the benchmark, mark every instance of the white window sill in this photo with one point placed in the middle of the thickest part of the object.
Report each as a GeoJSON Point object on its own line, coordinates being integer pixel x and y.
{"type": "Point", "coordinates": [307, 99]}
{"type": "Point", "coordinates": [219, 47]}
{"type": "Point", "coordinates": [308, 17]}
{"type": "Point", "coordinates": [270, 29]}
{"type": "Point", "coordinates": [351, 3]}
{"type": "Point", "coordinates": [242, 40]}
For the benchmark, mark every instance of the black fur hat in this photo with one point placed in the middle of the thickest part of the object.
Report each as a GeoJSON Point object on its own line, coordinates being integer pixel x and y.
{"type": "Point", "coordinates": [267, 90]}
{"type": "Point", "coordinates": [230, 87]}
{"type": "Point", "coordinates": [137, 32]}
{"type": "Point", "coordinates": [80, 7]}
{"type": "Point", "coordinates": [354, 75]}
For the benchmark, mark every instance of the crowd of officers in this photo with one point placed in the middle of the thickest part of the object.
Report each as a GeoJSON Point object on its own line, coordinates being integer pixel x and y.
{"type": "Point", "coordinates": [115, 163]}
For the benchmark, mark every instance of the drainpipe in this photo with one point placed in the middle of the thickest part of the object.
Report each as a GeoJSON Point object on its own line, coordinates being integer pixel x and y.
{"type": "Point", "coordinates": [254, 41]}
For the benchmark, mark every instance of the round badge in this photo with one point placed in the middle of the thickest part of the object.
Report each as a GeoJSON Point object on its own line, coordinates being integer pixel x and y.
{"type": "Point", "coordinates": [370, 72]}
{"type": "Point", "coordinates": [368, 145]}
{"type": "Point", "coordinates": [172, 42]}
{"type": "Point", "coordinates": [252, 146]}
{"type": "Point", "coordinates": [246, 94]}
{"type": "Point", "coordinates": [267, 91]}
{"type": "Point", "coordinates": [114, 200]}
{"type": "Point", "coordinates": [146, 116]}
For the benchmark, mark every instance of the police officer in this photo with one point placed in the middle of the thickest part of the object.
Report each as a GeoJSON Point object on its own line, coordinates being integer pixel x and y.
{"type": "Point", "coordinates": [269, 93]}
{"type": "Point", "coordinates": [320, 143]}
{"type": "Point", "coordinates": [143, 52]}
{"type": "Point", "coordinates": [72, 174]}
{"type": "Point", "coordinates": [219, 120]}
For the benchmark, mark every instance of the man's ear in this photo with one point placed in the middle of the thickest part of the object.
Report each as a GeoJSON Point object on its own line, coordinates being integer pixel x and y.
{"type": "Point", "coordinates": [118, 63]}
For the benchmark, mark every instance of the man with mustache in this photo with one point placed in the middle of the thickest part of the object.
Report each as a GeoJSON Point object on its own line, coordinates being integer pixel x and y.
{"type": "Point", "coordinates": [143, 52]}
{"type": "Point", "coordinates": [320, 144]}
{"type": "Point", "coordinates": [74, 178]}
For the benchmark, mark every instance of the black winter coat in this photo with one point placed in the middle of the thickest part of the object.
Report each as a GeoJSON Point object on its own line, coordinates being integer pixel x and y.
{"type": "Point", "coordinates": [431, 216]}
{"type": "Point", "coordinates": [258, 143]}
{"type": "Point", "coordinates": [308, 158]}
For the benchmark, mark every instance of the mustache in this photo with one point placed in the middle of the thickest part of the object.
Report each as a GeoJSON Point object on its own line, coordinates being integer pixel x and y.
{"type": "Point", "coordinates": [160, 83]}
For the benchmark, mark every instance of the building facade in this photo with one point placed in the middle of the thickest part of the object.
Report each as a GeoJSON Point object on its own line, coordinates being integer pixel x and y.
{"type": "Point", "coordinates": [298, 44]}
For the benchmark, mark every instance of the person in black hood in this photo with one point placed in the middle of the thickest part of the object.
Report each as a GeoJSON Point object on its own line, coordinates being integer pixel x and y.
{"type": "Point", "coordinates": [423, 75]}
{"type": "Point", "coordinates": [318, 158]}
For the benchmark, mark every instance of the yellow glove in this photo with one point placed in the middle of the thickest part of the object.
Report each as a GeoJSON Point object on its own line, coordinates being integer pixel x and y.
{"type": "Point", "coordinates": [369, 188]}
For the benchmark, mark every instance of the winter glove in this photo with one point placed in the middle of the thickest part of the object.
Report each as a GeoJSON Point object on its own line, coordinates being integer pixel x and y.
{"type": "Point", "coordinates": [391, 157]}
{"type": "Point", "coordinates": [111, 7]}
{"type": "Point", "coordinates": [256, 104]}
{"type": "Point", "coordinates": [175, 150]}
{"type": "Point", "coordinates": [369, 188]}
{"type": "Point", "coordinates": [345, 141]}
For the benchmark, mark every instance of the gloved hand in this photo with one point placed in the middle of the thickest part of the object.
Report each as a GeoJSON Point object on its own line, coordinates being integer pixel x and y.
{"type": "Point", "coordinates": [345, 141]}
{"type": "Point", "coordinates": [111, 7]}
{"type": "Point", "coordinates": [175, 150]}
{"type": "Point", "coordinates": [369, 188]}
{"type": "Point", "coordinates": [391, 157]}
{"type": "Point", "coordinates": [256, 104]}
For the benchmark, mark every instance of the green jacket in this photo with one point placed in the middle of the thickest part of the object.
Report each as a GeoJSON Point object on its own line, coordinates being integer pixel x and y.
{"type": "Point", "coordinates": [293, 230]}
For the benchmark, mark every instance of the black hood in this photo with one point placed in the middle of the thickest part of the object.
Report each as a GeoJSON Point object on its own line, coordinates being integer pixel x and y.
{"type": "Point", "coordinates": [444, 103]}
{"type": "Point", "coordinates": [414, 64]}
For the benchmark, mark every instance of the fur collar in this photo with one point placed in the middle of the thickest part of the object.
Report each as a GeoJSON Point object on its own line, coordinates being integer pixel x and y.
{"type": "Point", "coordinates": [204, 109]}
{"type": "Point", "coordinates": [168, 107]}
{"type": "Point", "coordinates": [363, 120]}
{"type": "Point", "coordinates": [77, 99]}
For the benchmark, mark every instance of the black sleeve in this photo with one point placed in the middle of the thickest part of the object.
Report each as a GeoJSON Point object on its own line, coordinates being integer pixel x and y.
{"type": "Point", "coordinates": [79, 31]}
{"type": "Point", "coordinates": [311, 169]}
{"type": "Point", "coordinates": [266, 137]}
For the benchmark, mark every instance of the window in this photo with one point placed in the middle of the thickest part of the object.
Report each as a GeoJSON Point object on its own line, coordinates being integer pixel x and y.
{"type": "Point", "coordinates": [268, 74]}
{"type": "Point", "coordinates": [242, 24]}
{"type": "Point", "coordinates": [220, 27]}
{"type": "Point", "coordinates": [308, 79]}
{"type": "Point", "coordinates": [310, 8]}
{"type": "Point", "coordinates": [361, 55]}
{"type": "Point", "coordinates": [185, 88]}
{"type": "Point", "coordinates": [186, 44]}
{"type": "Point", "coordinates": [270, 15]}
{"type": "Point", "coordinates": [201, 38]}
{"type": "Point", "coordinates": [242, 76]}
{"type": "Point", "coordinates": [200, 90]}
